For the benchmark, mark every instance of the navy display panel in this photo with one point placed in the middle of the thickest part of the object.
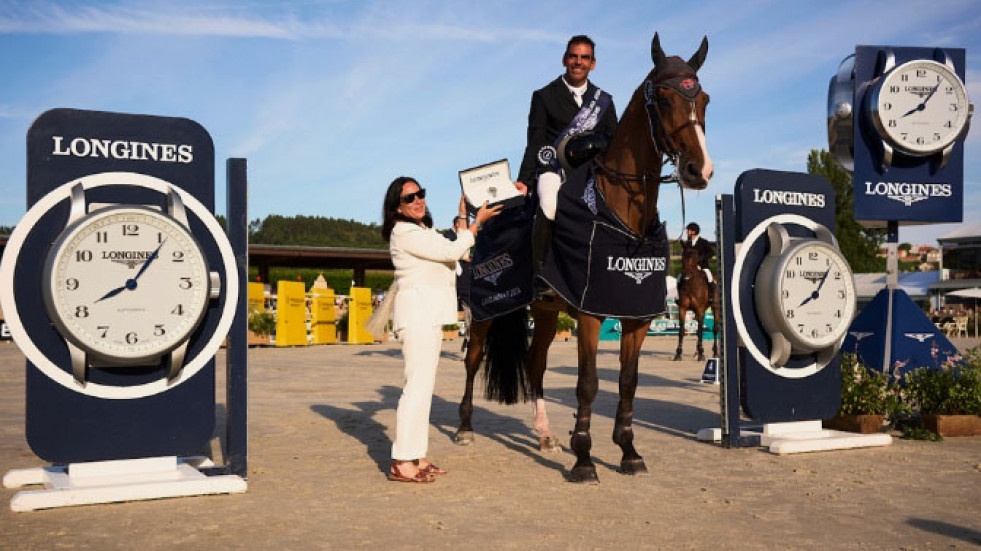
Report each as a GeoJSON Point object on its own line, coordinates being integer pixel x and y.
{"type": "Point", "coordinates": [799, 392]}
{"type": "Point", "coordinates": [66, 423]}
{"type": "Point", "coordinates": [909, 189]}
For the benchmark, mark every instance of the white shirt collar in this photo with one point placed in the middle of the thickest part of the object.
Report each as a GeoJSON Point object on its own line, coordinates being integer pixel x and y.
{"type": "Point", "coordinates": [577, 91]}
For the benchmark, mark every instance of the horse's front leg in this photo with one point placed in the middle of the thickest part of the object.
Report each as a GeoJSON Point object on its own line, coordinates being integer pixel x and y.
{"type": "Point", "coordinates": [472, 359]}
{"type": "Point", "coordinates": [546, 319]}
{"type": "Point", "coordinates": [631, 339]}
{"type": "Point", "coordinates": [682, 313]}
{"type": "Point", "coordinates": [698, 347]}
{"type": "Point", "coordinates": [586, 388]}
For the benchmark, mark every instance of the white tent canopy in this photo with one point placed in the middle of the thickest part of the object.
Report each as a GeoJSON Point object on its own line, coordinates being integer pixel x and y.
{"type": "Point", "coordinates": [915, 284]}
{"type": "Point", "coordinates": [973, 292]}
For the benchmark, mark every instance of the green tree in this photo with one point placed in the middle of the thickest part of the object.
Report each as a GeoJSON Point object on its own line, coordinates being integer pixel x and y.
{"type": "Point", "coordinates": [859, 245]}
{"type": "Point", "coordinates": [315, 231]}
{"type": "Point", "coordinates": [905, 247]}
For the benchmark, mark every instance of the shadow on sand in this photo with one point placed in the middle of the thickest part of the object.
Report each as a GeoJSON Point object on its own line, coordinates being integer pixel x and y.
{"type": "Point", "coordinates": [964, 533]}
{"type": "Point", "coordinates": [509, 431]}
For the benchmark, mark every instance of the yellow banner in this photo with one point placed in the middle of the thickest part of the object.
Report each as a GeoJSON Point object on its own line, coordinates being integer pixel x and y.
{"type": "Point", "coordinates": [358, 313]}
{"type": "Point", "coordinates": [322, 328]}
{"type": "Point", "coordinates": [291, 314]}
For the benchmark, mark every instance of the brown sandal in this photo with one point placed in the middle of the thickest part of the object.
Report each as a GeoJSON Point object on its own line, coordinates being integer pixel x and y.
{"type": "Point", "coordinates": [421, 477]}
{"type": "Point", "coordinates": [430, 469]}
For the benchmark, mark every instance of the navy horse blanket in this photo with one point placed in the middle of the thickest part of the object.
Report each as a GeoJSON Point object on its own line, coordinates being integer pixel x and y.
{"type": "Point", "coordinates": [501, 277]}
{"type": "Point", "coordinates": [599, 265]}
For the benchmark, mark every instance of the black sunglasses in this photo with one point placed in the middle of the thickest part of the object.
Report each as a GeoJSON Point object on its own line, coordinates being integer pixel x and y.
{"type": "Point", "coordinates": [410, 198]}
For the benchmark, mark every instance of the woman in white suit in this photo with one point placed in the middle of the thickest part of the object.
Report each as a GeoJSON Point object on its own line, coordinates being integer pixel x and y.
{"type": "Point", "coordinates": [424, 301]}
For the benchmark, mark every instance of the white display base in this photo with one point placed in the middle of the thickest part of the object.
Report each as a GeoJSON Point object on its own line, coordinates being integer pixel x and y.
{"type": "Point", "coordinates": [802, 437]}
{"type": "Point", "coordinates": [115, 481]}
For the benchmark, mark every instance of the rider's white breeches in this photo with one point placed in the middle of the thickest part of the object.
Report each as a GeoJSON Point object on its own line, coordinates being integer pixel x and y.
{"type": "Point", "coordinates": [548, 192]}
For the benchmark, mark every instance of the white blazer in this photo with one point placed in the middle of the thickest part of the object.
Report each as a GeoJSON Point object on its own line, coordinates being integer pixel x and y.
{"type": "Point", "coordinates": [425, 270]}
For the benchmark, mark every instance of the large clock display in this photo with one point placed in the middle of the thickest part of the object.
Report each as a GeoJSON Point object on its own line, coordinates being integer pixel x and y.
{"type": "Point", "coordinates": [920, 107]}
{"type": "Point", "coordinates": [816, 295]}
{"type": "Point", "coordinates": [805, 295]}
{"type": "Point", "coordinates": [126, 284]}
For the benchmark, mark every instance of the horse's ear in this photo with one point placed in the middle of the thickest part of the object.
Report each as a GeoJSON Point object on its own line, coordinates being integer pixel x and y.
{"type": "Point", "coordinates": [657, 54]}
{"type": "Point", "coordinates": [696, 60]}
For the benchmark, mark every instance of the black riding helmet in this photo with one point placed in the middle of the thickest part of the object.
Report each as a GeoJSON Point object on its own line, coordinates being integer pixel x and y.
{"type": "Point", "coordinates": [693, 227]}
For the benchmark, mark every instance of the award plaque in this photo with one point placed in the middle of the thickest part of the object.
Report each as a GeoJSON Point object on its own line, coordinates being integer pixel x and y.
{"type": "Point", "coordinates": [490, 183]}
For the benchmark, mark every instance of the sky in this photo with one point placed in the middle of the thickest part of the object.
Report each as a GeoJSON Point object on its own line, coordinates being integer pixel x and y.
{"type": "Point", "coordinates": [330, 100]}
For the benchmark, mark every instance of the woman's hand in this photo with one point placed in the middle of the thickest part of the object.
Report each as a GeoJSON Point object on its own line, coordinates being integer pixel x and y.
{"type": "Point", "coordinates": [485, 213]}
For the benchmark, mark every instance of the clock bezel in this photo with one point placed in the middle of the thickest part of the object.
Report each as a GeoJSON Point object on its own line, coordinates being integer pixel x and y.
{"type": "Point", "coordinates": [739, 266]}
{"type": "Point", "coordinates": [882, 129]}
{"type": "Point", "coordinates": [770, 281]}
{"type": "Point", "coordinates": [193, 364]}
{"type": "Point", "coordinates": [64, 328]}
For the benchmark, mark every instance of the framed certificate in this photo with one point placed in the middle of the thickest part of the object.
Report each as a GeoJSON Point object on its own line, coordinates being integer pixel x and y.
{"type": "Point", "coordinates": [490, 183]}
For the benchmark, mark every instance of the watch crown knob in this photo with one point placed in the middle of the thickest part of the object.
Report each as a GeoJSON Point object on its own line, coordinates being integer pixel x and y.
{"type": "Point", "coordinates": [843, 110]}
{"type": "Point", "coordinates": [214, 289]}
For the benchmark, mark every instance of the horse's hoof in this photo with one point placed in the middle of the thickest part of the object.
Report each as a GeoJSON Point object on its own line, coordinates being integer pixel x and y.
{"type": "Point", "coordinates": [585, 474]}
{"type": "Point", "coordinates": [677, 357]}
{"type": "Point", "coordinates": [701, 357]}
{"type": "Point", "coordinates": [549, 444]}
{"type": "Point", "coordinates": [633, 466]}
{"type": "Point", "coordinates": [464, 438]}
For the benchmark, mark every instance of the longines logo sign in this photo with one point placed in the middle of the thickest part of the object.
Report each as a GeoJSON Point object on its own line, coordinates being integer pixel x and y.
{"type": "Point", "coordinates": [908, 193]}
{"type": "Point", "coordinates": [122, 149]}
{"type": "Point", "coordinates": [636, 268]}
{"type": "Point", "coordinates": [493, 268]}
{"type": "Point", "coordinates": [792, 198]}
{"type": "Point", "coordinates": [130, 258]}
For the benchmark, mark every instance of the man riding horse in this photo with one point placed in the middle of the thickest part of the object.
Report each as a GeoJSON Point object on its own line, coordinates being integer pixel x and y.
{"type": "Point", "coordinates": [551, 118]}
{"type": "Point", "coordinates": [705, 252]}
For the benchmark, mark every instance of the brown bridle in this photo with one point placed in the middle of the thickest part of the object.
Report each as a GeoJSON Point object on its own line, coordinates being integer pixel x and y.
{"type": "Point", "coordinates": [663, 141]}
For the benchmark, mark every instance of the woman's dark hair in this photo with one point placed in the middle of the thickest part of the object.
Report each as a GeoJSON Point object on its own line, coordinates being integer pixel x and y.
{"type": "Point", "coordinates": [390, 208]}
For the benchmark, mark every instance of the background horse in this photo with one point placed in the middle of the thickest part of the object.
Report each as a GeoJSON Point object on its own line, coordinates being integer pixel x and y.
{"type": "Point", "coordinates": [694, 295]}
{"type": "Point", "coordinates": [628, 177]}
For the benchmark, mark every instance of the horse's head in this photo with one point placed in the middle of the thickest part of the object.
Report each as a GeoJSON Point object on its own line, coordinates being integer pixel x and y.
{"type": "Point", "coordinates": [689, 261]}
{"type": "Point", "coordinates": [675, 104]}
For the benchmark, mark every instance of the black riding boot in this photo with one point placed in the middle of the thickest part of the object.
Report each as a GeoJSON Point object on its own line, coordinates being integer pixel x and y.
{"type": "Point", "coordinates": [541, 240]}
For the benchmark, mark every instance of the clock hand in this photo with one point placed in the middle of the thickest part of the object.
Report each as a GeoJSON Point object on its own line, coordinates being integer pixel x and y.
{"type": "Point", "coordinates": [923, 103]}
{"type": "Point", "coordinates": [817, 292]}
{"type": "Point", "coordinates": [823, 279]}
{"type": "Point", "coordinates": [114, 292]}
{"type": "Point", "coordinates": [148, 261]}
{"type": "Point", "coordinates": [131, 283]}
{"type": "Point", "coordinates": [930, 95]}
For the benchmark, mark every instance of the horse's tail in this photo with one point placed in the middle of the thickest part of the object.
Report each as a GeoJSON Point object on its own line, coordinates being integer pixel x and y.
{"type": "Point", "coordinates": [505, 358]}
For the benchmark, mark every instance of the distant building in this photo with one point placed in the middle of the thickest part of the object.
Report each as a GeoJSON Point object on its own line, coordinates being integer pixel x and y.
{"type": "Point", "coordinates": [960, 261]}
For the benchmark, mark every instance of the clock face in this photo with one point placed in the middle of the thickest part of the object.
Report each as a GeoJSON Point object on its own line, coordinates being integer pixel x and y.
{"type": "Point", "coordinates": [920, 107]}
{"type": "Point", "coordinates": [126, 284]}
{"type": "Point", "coordinates": [816, 295]}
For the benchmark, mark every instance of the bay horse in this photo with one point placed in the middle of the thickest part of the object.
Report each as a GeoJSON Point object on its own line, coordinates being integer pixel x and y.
{"type": "Point", "coordinates": [694, 295]}
{"type": "Point", "coordinates": [628, 176]}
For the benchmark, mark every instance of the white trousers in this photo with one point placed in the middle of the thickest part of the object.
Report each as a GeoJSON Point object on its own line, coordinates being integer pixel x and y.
{"type": "Point", "coordinates": [548, 193]}
{"type": "Point", "coordinates": [421, 345]}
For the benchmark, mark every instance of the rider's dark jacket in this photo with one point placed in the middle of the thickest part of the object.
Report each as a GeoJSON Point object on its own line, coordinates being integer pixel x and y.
{"type": "Point", "coordinates": [552, 109]}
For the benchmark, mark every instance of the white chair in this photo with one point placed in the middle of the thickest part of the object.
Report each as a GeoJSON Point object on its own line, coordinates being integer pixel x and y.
{"type": "Point", "coordinates": [960, 327]}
